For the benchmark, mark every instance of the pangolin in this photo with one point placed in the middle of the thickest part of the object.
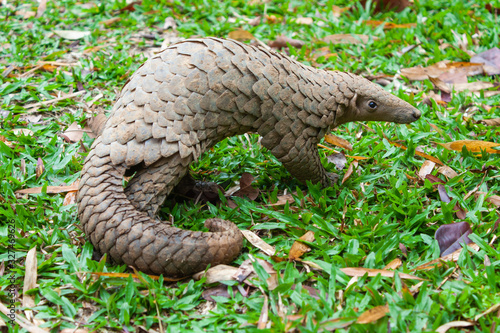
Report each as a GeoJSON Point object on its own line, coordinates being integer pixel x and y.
{"type": "Point", "coordinates": [182, 101]}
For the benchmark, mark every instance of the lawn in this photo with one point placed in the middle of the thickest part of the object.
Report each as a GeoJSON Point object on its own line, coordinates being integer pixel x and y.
{"type": "Point", "coordinates": [360, 256]}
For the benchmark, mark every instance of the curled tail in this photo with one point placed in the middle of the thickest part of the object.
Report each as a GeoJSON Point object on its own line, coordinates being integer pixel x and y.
{"type": "Point", "coordinates": [115, 226]}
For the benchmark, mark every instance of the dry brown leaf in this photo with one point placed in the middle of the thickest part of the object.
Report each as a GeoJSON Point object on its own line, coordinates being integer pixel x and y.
{"type": "Point", "coordinates": [304, 20]}
{"type": "Point", "coordinates": [490, 310]}
{"type": "Point", "coordinates": [40, 168]}
{"type": "Point", "coordinates": [493, 199]}
{"type": "Point", "coordinates": [73, 133]}
{"type": "Point", "coordinates": [492, 122]}
{"type": "Point", "coordinates": [217, 274]}
{"type": "Point", "coordinates": [360, 271]}
{"type": "Point", "coordinates": [450, 257]}
{"type": "Point", "coordinates": [348, 39]}
{"type": "Point", "coordinates": [41, 8]}
{"type": "Point", "coordinates": [50, 189]}
{"type": "Point", "coordinates": [390, 25]}
{"type": "Point", "coordinates": [440, 84]}
{"type": "Point", "coordinates": [71, 34]}
{"type": "Point", "coordinates": [426, 169]}
{"type": "Point", "coordinates": [418, 153]}
{"type": "Point", "coordinates": [448, 172]}
{"type": "Point", "coordinates": [110, 21]}
{"type": "Point", "coordinates": [337, 11]}
{"type": "Point", "coordinates": [457, 68]}
{"type": "Point", "coordinates": [283, 199]}
{"type": "Point", "coordinates": [474, 146]}
{"type": "Point", "coordinates": [381, 6]}
{"type": "Point", "coordinates": [258, 242]}
{"type": "Point", "coordinates": [395, 263]}
{"type": "Point", "coordinates": [490, 59]}
{"type": "Point", "coordinates": [30, 277]}
{"type": "Point", "coordinates": [240, 35]}
{"type": "Point", "coordinates": [373, 314]}
{"type": "Point", "coordinates": [283, 41]}
{"type": "Point", "coordinates": [349, 171]}
{"type": "Point", "coordinates": [97, 123]}
{"type": "Point", "coordinates": [70, 198]}
{"type": "Point", "coordinates": [452, 324]}
{"type": "Point", "coordinates": [72, 330]}
{"type": "Point", "coordinates": [26, 14]}
{"type": "Point", "coordinates": [337, 141]}
{"type": "Point", "coordinates": [472, 86]}
{"type": "Point", "coordinates": [338, 160]}
{"type": "Point", "coordinates": [299, 248]}
{"type": "Point", "coordinates": [264, 313]}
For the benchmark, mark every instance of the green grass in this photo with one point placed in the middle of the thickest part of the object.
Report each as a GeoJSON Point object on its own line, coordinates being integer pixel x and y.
{"type": "Point", "coordinates": [359, 224]}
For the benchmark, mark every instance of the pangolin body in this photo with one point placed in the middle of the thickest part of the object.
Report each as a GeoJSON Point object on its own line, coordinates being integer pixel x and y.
{"type": "Point", "coordinates": [181, 102]}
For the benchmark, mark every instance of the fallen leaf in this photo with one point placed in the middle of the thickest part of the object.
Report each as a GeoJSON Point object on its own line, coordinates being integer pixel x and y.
{"type": "Point", "coordinates": [50, 189]}
{"type": "Point", "coordinates": [169, 23]}
{"type": "Point", "coordinates": [40, 168]}
{"type": "Point", "coordinates": [490, 59]}
{"type": "Point", "coordinates": [41, 8]}
{"type": "Point", "coordinates": [390, 25]}
{"type": "Point", "coordinates": [452, 324]}
{"type": "Point", "coordinates": [338, 160]}
{"type": "Point", "coordinates": [337, 141]}
{"type": "Point", "coordinates": [440, 84]}
{"type": "Point", "coordinates": [350, 169]}
{"type": "Point", "coordinates": [337, 11]}
{"type": "Point", "coordinates": [217, 274]}
{"type": "Point", "coordinates": [474, 146]}
{"type": "Point", "coordinates": [246, 268]}
{"type": "Point", "coordinates": [283, 199]}
{"type": "Point", "coordinates": [449, 257]}
{"type": "Point", "coordinates": [426, 169]}
{"type": "Point", "coordinates": [418, 153]}
{"type": "Point", "coordinates": [26, 14]}
{"type": "Point", "coordinates": [71, 34]}
{"type": "Point", "coordinates": [299, 248]}
{"type": "Point", "coordinates": [97, 123]}
{"type": "Point", "coordinates": [492, 122]}
{"type": "Point", "coordinates": [360, 271]}
{"type": "Point", "coordinates": [131, 6]}
{"type": "Point", "coordinates": [220, 290]}
{"type": "Point", "coordinates": [493, 199]}
{"type": "Point", "coordinates": [283, 41]}
{"type": "Point", "coordinates": [240, 35]}
{"type": "Point", "coordinates": [70, 198]}
{"type": "Point", "coordinates": [304, 20]}
{"type": "Point", "coordinates": [448, 172]}
{"type": "Point", "coordinates": [258, 242]}
{"type": "Point", "coordinates": [373, 314]}
{"type": "Point", "coordinates": [246, 189]}
{"type": "Point", "coordinates": [264, 314]}
{"type": "Point", "coordinates": [472, 86]}
{"type": "Point", "coordinates": [348, 39]}
{"type": "Point", "coordinates": [73, 133]}
{"type": "Point", "coordinates": [490, 310]}
{"type": "Point", "coordinates": [110, 21]}
{"type": "Point", "coordinates": [451, 237]}
{"type": "Point", "coordinates": [387, 5]}
{"type": "Point", "coordinates": [443, 195]}
{"type": "Point", "coordinates": [440, 68]}
{"type": "Point", "coordinates": [395, 263]}
{"type": "Point", "coordinates": [30, 277]}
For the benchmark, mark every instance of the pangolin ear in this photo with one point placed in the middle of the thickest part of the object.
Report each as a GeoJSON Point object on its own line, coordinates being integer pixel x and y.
{"type": "Point", "coordinates": [353, 105]}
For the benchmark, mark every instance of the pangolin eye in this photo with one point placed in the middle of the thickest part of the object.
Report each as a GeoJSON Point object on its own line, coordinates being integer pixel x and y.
{"type": "Point", "coordinates": [372, 105]}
